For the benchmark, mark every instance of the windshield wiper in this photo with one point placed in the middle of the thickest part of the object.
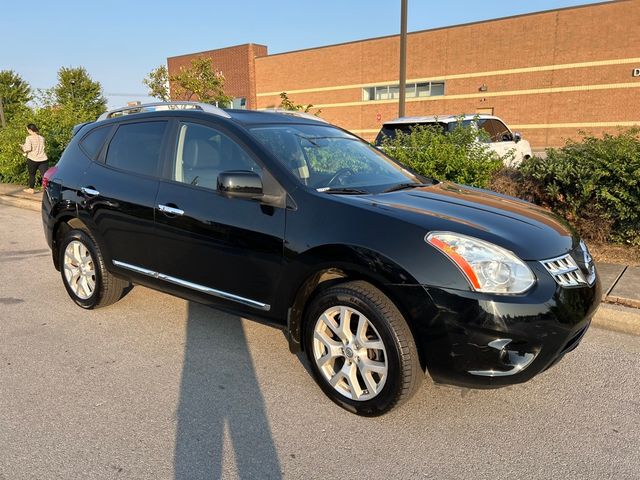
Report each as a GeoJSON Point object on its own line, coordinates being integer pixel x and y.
{"type": "Point", "coordinates": [342, 190]}
{"type": "Point", "coordinates": [404, 186]}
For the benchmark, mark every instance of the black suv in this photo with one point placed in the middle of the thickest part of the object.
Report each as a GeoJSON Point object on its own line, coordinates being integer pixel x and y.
{"type": "Point", "coordinates": [377, 273]}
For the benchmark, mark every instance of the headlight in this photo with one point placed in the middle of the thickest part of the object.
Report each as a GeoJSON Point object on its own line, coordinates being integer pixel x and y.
{"type": "Point", "coordinates": [488, 267]}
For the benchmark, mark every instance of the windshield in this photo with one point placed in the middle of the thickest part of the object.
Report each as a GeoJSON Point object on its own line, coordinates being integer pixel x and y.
{"type": "Point", "coordinates": [325, 158]}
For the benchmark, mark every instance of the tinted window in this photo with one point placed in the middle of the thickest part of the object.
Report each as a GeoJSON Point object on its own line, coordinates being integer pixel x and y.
{"type": "Point", "coordinates": [488, 130]}
{"type": "Point", "coordinates": [92, 143]}
{"type": "Point", "coordinates": [136, 147]}
{"type": "Point", "coordinates": [502, 133]}
{"type": "Point", "coordinates": [391, 131]}
{"type": "Point", "coordinates": [203, 152]}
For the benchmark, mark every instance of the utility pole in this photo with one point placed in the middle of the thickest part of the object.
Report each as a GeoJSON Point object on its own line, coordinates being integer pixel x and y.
{"type": "Point", "coordinates": [2, 120]}
{"type": "Point", "coordinates": [403, 58]}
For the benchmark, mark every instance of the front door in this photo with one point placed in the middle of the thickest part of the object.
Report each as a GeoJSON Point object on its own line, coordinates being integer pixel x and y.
{"type": "Point", "coordinates": [229, 250]}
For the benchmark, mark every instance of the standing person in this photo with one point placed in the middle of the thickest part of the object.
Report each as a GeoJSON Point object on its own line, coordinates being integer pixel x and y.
{"type": "Point", "coordinates": [36, 158]}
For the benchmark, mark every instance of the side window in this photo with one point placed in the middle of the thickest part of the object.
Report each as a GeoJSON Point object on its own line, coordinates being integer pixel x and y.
{"type": "Point", "coordinates": [136, 147]}
{"type": "Point", "coordinates": [502, 132]}
{"type": "Point", "coordinates": [93, 141]}
{"type": "Point", "coordinates": [203, 152]}
{"type": "Point", "coordinates": [488, 130]}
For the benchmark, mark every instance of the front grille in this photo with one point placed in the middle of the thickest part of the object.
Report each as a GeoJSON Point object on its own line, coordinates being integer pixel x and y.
{"type": "Point", "coordinates": [589, 264]}
{"type": "Point", "coordinates": [565, 271]}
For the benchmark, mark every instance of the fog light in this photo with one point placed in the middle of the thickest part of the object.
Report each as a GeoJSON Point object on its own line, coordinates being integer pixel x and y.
{"type": "Point", "coordinates": [512, 359]}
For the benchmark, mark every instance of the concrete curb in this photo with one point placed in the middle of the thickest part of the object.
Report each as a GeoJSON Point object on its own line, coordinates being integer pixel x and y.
{"type": "Point", "coordinates": [626, 302]}
{"type": "Point", "coordinates": [620, 319]}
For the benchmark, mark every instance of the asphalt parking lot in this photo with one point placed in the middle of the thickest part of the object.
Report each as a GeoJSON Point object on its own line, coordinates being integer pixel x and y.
{"type": "Point", "coordinates": [156, 387]}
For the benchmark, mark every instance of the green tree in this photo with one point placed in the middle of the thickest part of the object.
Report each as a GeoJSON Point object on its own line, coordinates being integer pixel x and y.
{"type": "Point", "coordinates": [158, 82]}
{"type": "Point", "coordinates": [287, 104]}
{"type": "Point", "coordinates": [15, 94]}
{"type": "Point", "coordinates": [77, 89]}
{"type": "Point", "coordinates": [199, 81]}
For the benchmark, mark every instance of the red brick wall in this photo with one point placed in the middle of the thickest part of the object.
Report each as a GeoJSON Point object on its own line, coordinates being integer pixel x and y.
{"type": "Point", "coordinates": [600, 32]}
{"type": "Point", "coordinates": [236, 64]}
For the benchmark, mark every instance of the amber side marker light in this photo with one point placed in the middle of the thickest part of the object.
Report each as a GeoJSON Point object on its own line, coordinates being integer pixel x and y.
{"type": "Point", "coordinates": [462, 264]}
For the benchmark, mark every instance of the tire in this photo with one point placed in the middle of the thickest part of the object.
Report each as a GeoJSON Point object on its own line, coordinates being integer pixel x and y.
{"type": "Point", "coordinates": [83, 272]}
{"type": "Point", "coordinates": [367, 371]}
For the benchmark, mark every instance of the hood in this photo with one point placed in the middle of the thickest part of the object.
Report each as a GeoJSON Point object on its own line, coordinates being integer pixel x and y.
{"type": "Point", "coordinates": [529, 231]}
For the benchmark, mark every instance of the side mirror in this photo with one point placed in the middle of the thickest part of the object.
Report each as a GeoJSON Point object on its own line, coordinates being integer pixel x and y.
{"type": "Point", "coordinates": [240, 183]}
{"type": "Point", "coordinates": [517, 137]}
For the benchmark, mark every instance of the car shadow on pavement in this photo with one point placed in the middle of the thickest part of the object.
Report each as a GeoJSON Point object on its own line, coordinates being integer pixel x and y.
{"type": "Point", "coordinates": [221, 415]}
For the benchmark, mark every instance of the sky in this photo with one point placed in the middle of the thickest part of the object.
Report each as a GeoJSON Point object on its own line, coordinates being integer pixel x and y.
{"type": "Point", "coordinates": [120, 41]}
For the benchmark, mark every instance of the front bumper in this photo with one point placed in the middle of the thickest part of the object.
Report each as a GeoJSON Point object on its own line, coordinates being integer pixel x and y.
{"type": "Point", "coordinates": [478, 340]}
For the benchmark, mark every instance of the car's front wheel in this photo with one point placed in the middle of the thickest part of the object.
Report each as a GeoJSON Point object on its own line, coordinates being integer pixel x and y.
{"type": "Point", "coordinates": [361, 349]}
{"type": "Point", "coordinates": [83, 271]}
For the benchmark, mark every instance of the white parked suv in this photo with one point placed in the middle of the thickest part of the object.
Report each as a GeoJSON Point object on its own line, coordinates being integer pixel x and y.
{"type": "Point", "coordinates": [501, 139]}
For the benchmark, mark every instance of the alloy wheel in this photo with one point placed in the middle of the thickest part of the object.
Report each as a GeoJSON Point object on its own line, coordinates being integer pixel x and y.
{"type": "Point", "coordinates": [79, 269]}
{"type": "Point", "coordinates": [350, 353]}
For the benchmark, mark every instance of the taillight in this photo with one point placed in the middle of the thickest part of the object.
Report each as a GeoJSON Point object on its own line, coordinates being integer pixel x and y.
{"type": "Point", "coordinates": [47, 176]}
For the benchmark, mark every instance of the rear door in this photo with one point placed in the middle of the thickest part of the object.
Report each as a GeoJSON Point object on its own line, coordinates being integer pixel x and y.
{"type": "Point", "coordinates": [228, 250]}
{"type": "Point", "coordinates": [120, 193]}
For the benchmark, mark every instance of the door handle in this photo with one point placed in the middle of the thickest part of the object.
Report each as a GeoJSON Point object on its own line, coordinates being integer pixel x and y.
{"type": "Point", "coordinates": [90, 191]}
{"type": "Point", "coordinates": [170, 210]}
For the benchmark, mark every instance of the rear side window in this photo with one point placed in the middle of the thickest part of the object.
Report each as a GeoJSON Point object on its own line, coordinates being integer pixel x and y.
{"type": "Point", "coordinates": [136, 147]}
{"type": "Point", "coordinates": [93, 141]}
{"type": "Point", "coordinates": [392, 130]}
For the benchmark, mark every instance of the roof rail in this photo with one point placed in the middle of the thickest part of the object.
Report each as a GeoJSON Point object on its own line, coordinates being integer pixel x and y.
{"type": "Point", "coordinates": [154, 107]}
{"type": "Point", "coordinates": [295, 113]}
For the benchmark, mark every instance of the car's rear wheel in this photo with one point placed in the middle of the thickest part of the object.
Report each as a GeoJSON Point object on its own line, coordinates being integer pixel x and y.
{"type": "Point", "coordinates": [361, 349]}
{"type": "Point", "coordinates": [84, 275]}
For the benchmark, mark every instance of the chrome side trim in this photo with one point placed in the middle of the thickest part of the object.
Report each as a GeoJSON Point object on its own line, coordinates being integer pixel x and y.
{"type": "Point", "coordinates": [135, 268]}
{"type": "Point", "coordinates": [194, 286]}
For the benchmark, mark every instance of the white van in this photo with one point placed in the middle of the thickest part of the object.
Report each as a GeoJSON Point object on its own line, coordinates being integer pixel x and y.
{"type": "Point", "coordinates": [501, 139]}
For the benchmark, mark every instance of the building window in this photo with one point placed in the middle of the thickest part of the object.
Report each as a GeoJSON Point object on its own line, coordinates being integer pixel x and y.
{"type": "Point", "coordinates": [414, 90]}
{"type": "Point", "coordinates": [239, 103]}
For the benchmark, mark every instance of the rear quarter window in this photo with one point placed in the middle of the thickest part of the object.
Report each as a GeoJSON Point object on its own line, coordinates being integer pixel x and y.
{"type": "Point", "coordinates": [92, 142]}
{"type": "Point", "coordinates": [136, 147]}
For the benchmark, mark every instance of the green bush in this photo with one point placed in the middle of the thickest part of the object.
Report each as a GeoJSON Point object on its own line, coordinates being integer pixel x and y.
{"type": "Point", "coordinates": [457, 156]}
{"type": "Point", "coordinates": [55, 124]}
{"type": "Point", "coordinates": [597, 177]}
{"type": "Point", "coordinates": [12, 161]}
{"type": "Point", "coordinates": [593, 183]}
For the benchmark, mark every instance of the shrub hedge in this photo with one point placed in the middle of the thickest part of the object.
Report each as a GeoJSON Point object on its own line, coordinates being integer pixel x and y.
{"type": "Point", "coordinates": [593, 183]}
{"type": "Point", "coordinates": [55, 124]}
{"type": "Point", "coordinates": [457, 156]}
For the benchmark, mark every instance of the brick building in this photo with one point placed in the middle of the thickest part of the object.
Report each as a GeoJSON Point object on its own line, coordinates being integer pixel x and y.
{"type": "Point", "coordinates": [548, 74]}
